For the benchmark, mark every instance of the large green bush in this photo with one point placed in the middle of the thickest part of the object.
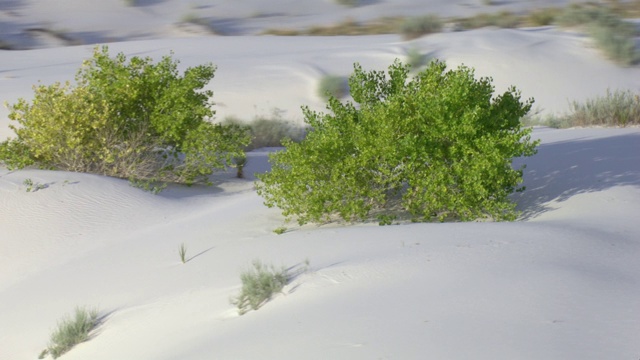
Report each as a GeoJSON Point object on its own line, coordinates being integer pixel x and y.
{"type": "Point", "coordinates": [438, 146]}
{"type": "Point", "coordinates": [132, 119]}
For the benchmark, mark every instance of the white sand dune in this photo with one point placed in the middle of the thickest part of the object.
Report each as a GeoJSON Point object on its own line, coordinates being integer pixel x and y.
{"type": "Point", "coordinates": [561, 283]}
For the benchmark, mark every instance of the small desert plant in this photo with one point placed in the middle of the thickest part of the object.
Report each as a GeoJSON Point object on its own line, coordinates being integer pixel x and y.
{"type": "Point", "coordinates": [192, 18]}
{"type": "Point", "coordinates": [416, 59]}
{"type": "Point", "coordinates": [503, 19]}
{"type": "Point", "coordinates": [269, 131]}
{"type": "Point", "coordinates": [383, 25]}
{"type": "Point", "coordinates": [542, 17]}
{"type": "Point", "coordinates": [617, 108]}
{"type": "Point", "coordinates": [259, 284]}
{"type": "Point", "coordinates": [240, 162]}
{"type": "Point", "coordinates": [182, 251]}
{"type": "Point", "coordinates": [576, 15]}
{"type": "Point", "coordinates": [414, 27]}
{"type": "Point", "coordinates": [5, 45]}
{"type": "Point", "coordinates": [614, 36]}
{"type": "Point", "coordinates": [350, 3]}
{"type": "Point", "coordinates": [33, 187]}
{"type": "Point", "coordinates": [280, 230]}
{"type": "Point", "coordinates": [333, 85]}
{"type": "Point", "coordinates": [71, 331]}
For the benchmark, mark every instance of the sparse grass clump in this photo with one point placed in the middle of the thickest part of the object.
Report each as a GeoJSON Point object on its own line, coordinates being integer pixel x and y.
{"type": "Point", "coordinates": [351, 27]}
{"type": "Point", "coordinates": [614, 36]}
{"type": "Point", "coordinates": [5, 45]}
{"type": "Point", "coordinates": [617, 108]}
{"type": "Point", "coordinates": [349, 3]}
{"type": "Point", "coordinates": [416, 59]}
{"type": "Point", "coordinates": [384, 25]}
{"type": "Point", "coordinates": [333, 85]}
{"type": "Point", "coordinates": [542, 17]}
{"type": "Point", "coordinates": [576, 15]}
{"type": "Point", "coordinates": [503, 19]}
{"type": "Point", "coordinates": [72, 331]}
{"type": "Point", "coordinates": [182, 251]}
{"type": "Point", "coordinates": [270, 131]}
{"type": "Point", "coordinates": [259, 284]}
{"type": "Point", "coordinates": [415, 27]}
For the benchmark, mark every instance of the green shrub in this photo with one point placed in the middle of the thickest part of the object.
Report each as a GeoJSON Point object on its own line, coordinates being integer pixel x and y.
{"type": "Point", "coordinates": [71, 331]}
{"type": "Point", "coordinates": [258, 286]}
{"type": "Point", "coordinates": [438, 146]}
{"type": "Point", "coordinates": [129, 119]}
{"type": "Point", "coordinates": [333, 85]}
{"type": "Point", "coordinates": [414, 27]}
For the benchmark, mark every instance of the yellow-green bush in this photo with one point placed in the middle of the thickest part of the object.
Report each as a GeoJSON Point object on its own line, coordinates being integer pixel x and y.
{"type": "Point", "coordinates": [132, 119]}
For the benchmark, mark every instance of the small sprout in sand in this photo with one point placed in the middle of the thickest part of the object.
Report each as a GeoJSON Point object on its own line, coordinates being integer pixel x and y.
{"type": "Point", "coordinates": [258, 286]}
{"type": "Point", "coordinates": [71, 331]}
{"type": "Point", "coordinates": [182, 251]}
{"type": "Point", "coordinates": [280, 230]}
{"type": "Point", "coordinates": [33, 187]}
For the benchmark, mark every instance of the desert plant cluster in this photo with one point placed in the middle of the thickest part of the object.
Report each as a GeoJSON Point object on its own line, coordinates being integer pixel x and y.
{"type": "Point", "coordinates": [260, 283]}
{"type": "Point", "coordinates": [604, 22]}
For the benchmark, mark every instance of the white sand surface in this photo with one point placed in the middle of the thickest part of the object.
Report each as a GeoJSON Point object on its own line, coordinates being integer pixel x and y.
{"type": "Point", "coordinates": [561, 283]}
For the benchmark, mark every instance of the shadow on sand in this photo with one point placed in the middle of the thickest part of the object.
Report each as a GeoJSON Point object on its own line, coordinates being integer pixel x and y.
{"type": "Point", "coordinates": [564, 169]}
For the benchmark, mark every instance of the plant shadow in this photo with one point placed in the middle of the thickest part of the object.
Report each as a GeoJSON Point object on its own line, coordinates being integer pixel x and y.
{"type": "Point", "coordinates": [563, 169]}
{"type": "Point", "coordinates": [198, 254]}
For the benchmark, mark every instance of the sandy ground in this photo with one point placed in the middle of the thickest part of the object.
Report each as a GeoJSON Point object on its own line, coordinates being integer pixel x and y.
{"type": "Point", "coordinates": [563, 282]}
